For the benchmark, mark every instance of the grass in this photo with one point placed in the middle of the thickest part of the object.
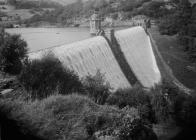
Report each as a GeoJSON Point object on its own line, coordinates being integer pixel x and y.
{"type": "Point", "coordinates": [175, 58]}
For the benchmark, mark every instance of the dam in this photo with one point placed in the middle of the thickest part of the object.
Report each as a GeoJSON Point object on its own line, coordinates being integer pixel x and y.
{"type": "Point", "coordinates": [125, 59]}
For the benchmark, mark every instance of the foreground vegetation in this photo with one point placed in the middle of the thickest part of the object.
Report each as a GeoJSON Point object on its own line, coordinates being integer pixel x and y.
{"type": "Point", "coordinates": [75, 117]}
{"type": "Point", "coordinates": [56, 104]}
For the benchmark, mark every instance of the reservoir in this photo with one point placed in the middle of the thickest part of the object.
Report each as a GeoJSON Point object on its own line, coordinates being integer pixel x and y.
{"type": "Point", "coordinates": [42, 38]}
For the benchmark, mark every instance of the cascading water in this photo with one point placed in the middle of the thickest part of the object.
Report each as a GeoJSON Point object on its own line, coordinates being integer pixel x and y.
{"type": "Point", "coordinates": [130, 58]}
{"type": "Point", "coordinates": [88, 56]}
{"type": "Point", "coordinates": [136, 47]}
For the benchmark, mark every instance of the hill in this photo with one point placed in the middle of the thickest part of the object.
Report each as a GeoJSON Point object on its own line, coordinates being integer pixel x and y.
{"type": "Point", "coordinates": [64, 2]}
{"type": "Point", "coordinates": [67, 2]}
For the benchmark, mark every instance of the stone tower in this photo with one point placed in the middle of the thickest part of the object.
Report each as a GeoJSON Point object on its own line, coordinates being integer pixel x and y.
{"type": "Point", "coordinates": [95, 23]}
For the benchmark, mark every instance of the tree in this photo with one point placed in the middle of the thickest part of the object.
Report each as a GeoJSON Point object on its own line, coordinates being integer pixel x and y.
{"type": "Point", "coordinates": [47, 76]}
{"type": "Point", "coordinates": [13, 50]}
{"type": "Point", "coordinates": [177, 21]}
{"type": "Point", "coordinates": [184, 15]}
{"type": "Point", "coordinates": [100, 4]}
{"type": "Point", "coordinates": [128, 5]}
{"type": "Point", "coordinates": [183, 21]}
{"type": "Point", "coordinates": [98, 89]}
{"type": "Point", "coordinates": [180, 18]}
{"type": "Point", "coordinates": [155, 9]}
{"type": "Point", "coordinates": [12, 2]}
{"type": "Point", "coordinates": [167, 25]}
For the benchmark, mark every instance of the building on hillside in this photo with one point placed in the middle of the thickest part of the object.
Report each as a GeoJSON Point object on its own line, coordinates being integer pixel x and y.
{"type": "Point", "coordinates": [95, 23]}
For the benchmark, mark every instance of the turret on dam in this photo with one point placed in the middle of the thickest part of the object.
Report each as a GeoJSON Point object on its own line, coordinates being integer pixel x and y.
{"type": "Point", "coordinates": [126, 58]}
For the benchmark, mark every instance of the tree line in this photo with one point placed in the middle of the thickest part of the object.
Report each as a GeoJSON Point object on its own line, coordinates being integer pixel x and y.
{"type": "Point", "coordinates": [80, 9]}
{"type": "Point", "coordinates": [23, 4]}
{"type": "Point", "coordinates": [181, 22]}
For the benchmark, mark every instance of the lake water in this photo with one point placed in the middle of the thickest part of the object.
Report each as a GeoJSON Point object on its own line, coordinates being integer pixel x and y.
{"type": "Point", "coordinates": [41, 38]}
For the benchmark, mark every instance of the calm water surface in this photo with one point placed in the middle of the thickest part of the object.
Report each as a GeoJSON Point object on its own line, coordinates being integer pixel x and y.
{"type": "Point", "coordinates": [41, 38]}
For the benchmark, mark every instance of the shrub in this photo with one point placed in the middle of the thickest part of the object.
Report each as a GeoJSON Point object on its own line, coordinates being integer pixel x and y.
{"type": "Point", "coordinates": [12, 51]}
{"type": "Point", "coordinates": [162, 99]}
{"type": "Point", "coordinates": [54, 118]}
{"type": "Point", "coordinates": [135, 130]}
{"type": "Point", "coordinates": [13, 128]}
{"type": "Point", "coordinates": [161, 107]}
{"type": "Point", "coordinates": [98, 89]}
{"type": "Point", "coordinates": [129, 97]}
{"type": "Point", "coordinates": [42, 78]}
{"type": "Point", "coordinates": [185, 110]}
{"type": "Point", "coordinates": [169, 89]}
{"type": "Point", "coordinates": [72, 117]}
{"type": "Point", "coordinates": [128, 125]}
{"type": "Point", "coordinates": [168, 25]}
{"type": "Point", "coordinates": [135, 97]}
{"type": "Point", "coordinates": [154, 9]}
{"type": "Point", "coordinates": [172, 105]}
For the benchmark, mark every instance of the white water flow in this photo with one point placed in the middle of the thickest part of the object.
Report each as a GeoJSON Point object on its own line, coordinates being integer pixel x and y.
{"type": "Point", "coordinates": [137, 49]}
{"type": "Point", "coordinates": [88, 56]}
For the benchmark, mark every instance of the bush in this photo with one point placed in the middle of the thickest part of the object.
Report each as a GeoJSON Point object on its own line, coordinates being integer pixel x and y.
{"type": "Point", "coordinates": [12, 51]}
{"type": "Point", "coordinates": [129, 97]}
{"type": "Point", "coordinates": [97, 88]}
{"type": "Point", "coordinates": [162, 99]}
{"type": "Point", "coordinates": [135, 97]}
{"type": "Point", "coordinates": [169, 89]}
{"type": "Point", "coordinates": [168, 25]}
{"type": "Point", "coordinates": [154, 9]}
{"type": "Point", "coordinates": [172, 105]}
{"type": "Point", "coordinates": [42, 78]}
{"type": "Point", "coordinates": [54, 118]}
{"type": "Point", "coordinates": [126, 126]}
{"type": "Point", "coordinates": [185, 110]}
{"type": "Point", "coordinates": [161, 107]}
{"type": "Point", "coordinates": [73, 117]}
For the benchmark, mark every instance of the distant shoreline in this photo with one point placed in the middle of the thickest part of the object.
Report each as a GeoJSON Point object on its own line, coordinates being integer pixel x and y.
{"type": "Point", "coordinates": [117, 24]}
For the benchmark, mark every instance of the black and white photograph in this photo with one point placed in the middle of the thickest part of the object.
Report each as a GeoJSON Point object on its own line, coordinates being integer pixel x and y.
{"type": "Point", "coordinates": [97, 69]}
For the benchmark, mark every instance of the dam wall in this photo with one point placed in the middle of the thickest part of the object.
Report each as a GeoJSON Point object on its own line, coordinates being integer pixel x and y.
{"type": "Point", "coordinates": [88, 56]}
{"type": "Point", "coordinates": [120, 58]}
{"type": "Point", "coordinates": [125, 59]}
{"type": "Point", "coordinates": [136, 46]}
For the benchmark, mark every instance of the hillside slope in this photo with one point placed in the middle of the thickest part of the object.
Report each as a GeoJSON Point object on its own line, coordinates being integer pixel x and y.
{"type": "Point", "coordinates": [66, 2]}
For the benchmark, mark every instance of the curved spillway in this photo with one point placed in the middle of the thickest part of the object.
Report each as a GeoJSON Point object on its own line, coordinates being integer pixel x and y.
{"type": "Point", "coordinates": [88, 56]}
{"type": "Point", "coordinates": [136, 47]}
